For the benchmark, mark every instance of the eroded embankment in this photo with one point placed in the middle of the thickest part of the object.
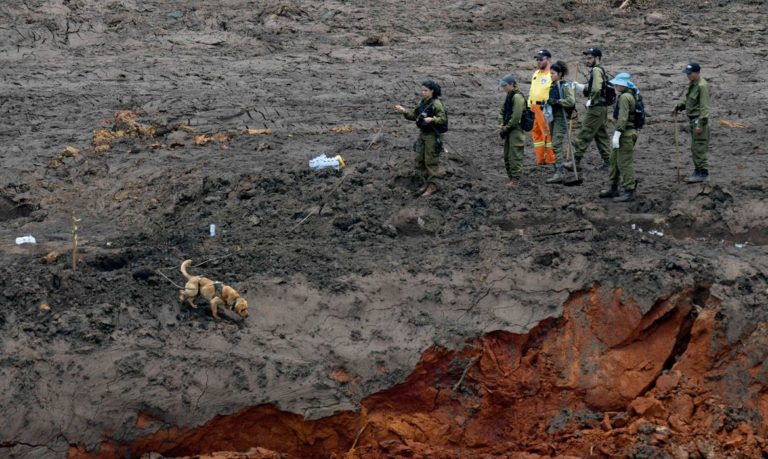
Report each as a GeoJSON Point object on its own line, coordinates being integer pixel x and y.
{"type": "Point", "coordinates": [604, 380]}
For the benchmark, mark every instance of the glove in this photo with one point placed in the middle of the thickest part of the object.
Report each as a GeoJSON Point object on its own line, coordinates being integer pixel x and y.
{"type": "Point", "coordinates": [503, 132]}
{"type": "Point", "coordinates": [615, 140]}
{"type": "Point", "coordinates": [577, 86]}
{"type": "Point", "coordinates": [589, 103]}
{"type": "Point", "coordinates": [553, 101]}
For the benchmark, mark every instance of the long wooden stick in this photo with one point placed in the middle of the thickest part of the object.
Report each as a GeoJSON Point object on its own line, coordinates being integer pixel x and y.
{"type": "Point", "coordinates": [677, 148]}
{"type": "Point", "coordinates": [359, 432]}
{"type": "Point", "coordinates": [74, 241]}
{"type": "Point", "coordinates": [466, 370]}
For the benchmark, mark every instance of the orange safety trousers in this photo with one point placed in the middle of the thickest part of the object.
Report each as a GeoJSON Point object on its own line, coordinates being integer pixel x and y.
{"type": "Point", "coordinates": [541, 137]}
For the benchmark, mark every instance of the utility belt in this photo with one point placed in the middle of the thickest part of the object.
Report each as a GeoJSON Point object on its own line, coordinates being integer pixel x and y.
{"type": "Point", "coordinates": [599, 104]}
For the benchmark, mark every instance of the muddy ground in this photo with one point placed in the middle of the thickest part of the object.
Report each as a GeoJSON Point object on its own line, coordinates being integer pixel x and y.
{"type": "Point", "coordinates": [379, 275]}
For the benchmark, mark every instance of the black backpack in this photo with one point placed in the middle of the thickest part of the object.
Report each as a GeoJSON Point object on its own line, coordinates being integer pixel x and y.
{"type": "Point", "coordinates": [639, 120]}
{"type": "Point", "coordinates": [609, 93]}
{"type": "Point", "coordinates": [526, 121]}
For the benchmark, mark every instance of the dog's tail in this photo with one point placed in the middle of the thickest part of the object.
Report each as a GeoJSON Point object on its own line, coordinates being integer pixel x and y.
{"type": "Point", "coordinates": [184, 267]}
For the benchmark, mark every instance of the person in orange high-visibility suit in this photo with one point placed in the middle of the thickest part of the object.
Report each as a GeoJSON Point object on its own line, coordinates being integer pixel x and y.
{"type": "Point", "coordinates": [540, 83]}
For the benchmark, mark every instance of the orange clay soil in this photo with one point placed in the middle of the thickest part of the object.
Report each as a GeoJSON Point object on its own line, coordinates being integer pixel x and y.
{"type": "Point", "coordinates": [602, 381]}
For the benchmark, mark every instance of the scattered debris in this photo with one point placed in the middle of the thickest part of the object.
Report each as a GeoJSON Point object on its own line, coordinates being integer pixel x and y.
{"type": "Point", "coordinates": [652, 232]}
{"type": "Point", "coordinates": [185, 127]}
{"type": "Point", "coordinates": [344, 128]}
{"type": "Point", "coordinates": [68, 152]}
{"type": "Point", "coordinates": [740, 245]}
{"type": "Point", "coordinates": [25, 240]}
{"type": "Point", "coordinates": [44, 307]}
{"type": "Point", "coordinates": [203, 139]}
{"type": "Point", "coordinates": [125, 124]}
{"type": "Point", "coordinates": [733, 124]}
{"type": "Point", "coordinates": [52, 257]}
{"type": "Point", "coordinates": [253, 131]}
{"type": "Point", "coordinates": [322, 162]}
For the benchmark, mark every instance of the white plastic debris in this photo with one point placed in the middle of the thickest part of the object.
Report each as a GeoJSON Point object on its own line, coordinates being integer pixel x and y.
{"type": "Point", "coordinates": [322, 162]}
{"type": "Point", "coordinates": [212, 230]}
{"type": "Point", "coordinates": [25, 240]}
{"type": "Point", "coordinates": [739, 245]}
{"type": "Point", "coordinates": [656, 233]}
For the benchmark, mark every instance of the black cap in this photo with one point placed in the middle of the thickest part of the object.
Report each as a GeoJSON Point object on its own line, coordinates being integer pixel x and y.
{"type": "Point", "coordinates": [543, 53]}
{"type": "Point", "coordinates": [692, 68]}
{"type": "Point", "coordinates": [593, 52]}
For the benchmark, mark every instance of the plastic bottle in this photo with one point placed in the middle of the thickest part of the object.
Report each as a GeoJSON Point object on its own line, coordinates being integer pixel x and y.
{"type": "Point", "coordinates": [322, 162]}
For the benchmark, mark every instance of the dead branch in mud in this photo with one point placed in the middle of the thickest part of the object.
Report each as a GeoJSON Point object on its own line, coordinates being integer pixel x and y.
{"type": "Point", "coordinates": [322, 204]}
{"type": "Point", "coordinates": [74, 241]}
{"type": "Point", "coordinates": [466, 370]}
{"type": "Point", "coordinates": [357, 437]}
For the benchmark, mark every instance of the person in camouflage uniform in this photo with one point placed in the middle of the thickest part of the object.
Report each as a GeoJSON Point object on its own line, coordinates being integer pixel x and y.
{"type": "Point", "coordinates": [624, 138]}
{"type": "Point", "coordinates": [595, 121]}
{"type": "Point", "coordinates": [696, 106]}
{"type": "Point", "coordinates": [562, 100]}
{"type": "Point", "coordinates": [509, 128]}
{"type": "Point", "coordinates": [432, 121]}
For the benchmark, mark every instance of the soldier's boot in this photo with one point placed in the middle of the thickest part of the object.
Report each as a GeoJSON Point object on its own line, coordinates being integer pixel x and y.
{"type": "Point", "coordinates": [569, 165]}
{"type": "Point", "coordinates": [606, 164]}
{"type": "Point", "coordinates": [625, 196]}
{"type": "Point", "coordinates": [611, 192]}
{"type": "Point", "coordinates": [558, 177]}
{"type": "Point", "coordinates": [698, 176]}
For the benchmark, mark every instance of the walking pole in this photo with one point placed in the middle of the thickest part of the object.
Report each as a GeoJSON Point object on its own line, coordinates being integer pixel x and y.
{"type": "Point", "coordinates": [677, 147]}
{"type": "Point", "coordinates": [576, 180]}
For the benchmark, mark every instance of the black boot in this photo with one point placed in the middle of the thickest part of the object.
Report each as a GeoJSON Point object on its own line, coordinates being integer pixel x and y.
{"type": "Point", "coordinates": [569, 164]}
{"type": "Point", "coordinates": [626, 196]}
{"type": "Point", "coordinates": [606, 165]}
{"type": "Point", "coordinates": [698, 176]}
{"type": "Point", "coordinates": [611, 192]}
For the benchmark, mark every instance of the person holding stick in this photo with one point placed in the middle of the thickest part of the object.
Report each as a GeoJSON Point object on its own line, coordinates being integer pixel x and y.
{"type": "Point", "coordinates": [562, 100]}
{"type": "Point", "coordinates": [696, 106]}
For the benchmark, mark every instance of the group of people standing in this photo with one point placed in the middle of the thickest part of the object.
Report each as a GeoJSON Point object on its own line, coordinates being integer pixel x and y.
{"type": "Point", "coordinates": [552, 99]}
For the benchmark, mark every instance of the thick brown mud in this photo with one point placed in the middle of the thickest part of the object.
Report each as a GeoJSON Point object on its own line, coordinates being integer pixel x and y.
{"type": "Point", "coordinates": [479, 321]}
